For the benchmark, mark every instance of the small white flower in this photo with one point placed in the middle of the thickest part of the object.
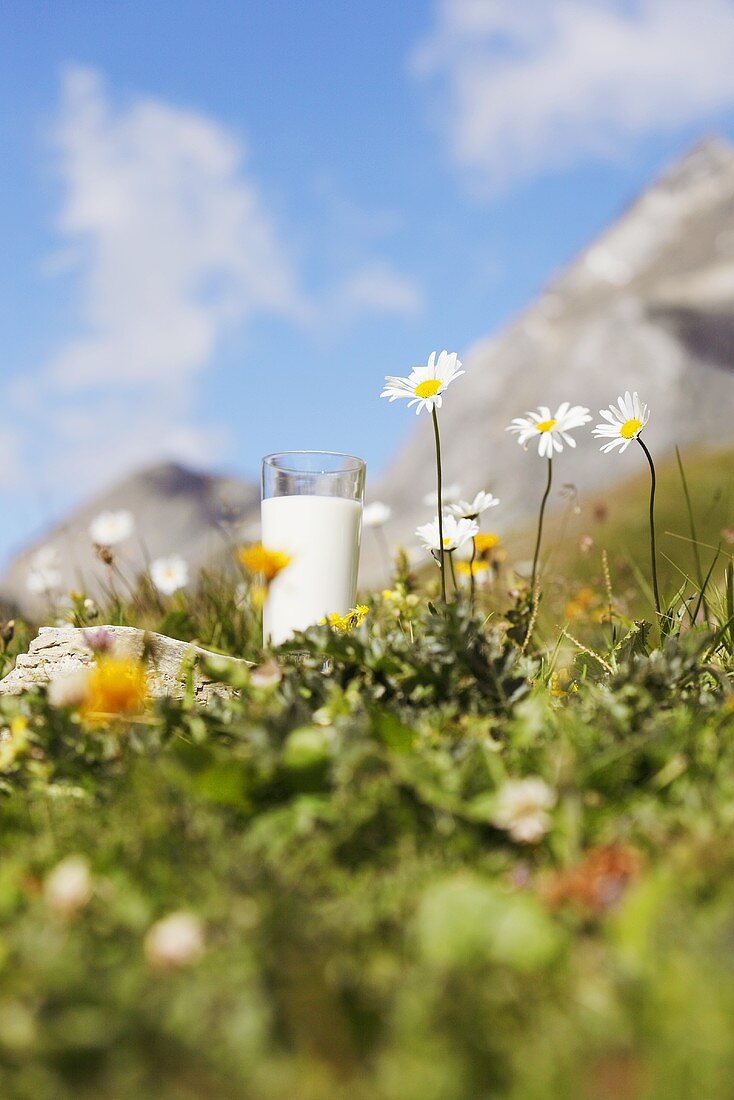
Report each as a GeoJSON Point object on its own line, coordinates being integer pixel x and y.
{"type": "Point", "coordinates": [425, 386]}
{"type": "Point", "coordinates": [44, 575]}
{"type": "Point", "coordinates": [456, 532]}
{"type": "Point", "coordinates": [109, 528]}
{"type": "Point", "coordinates": [449, 494]}
{"type": "Point", "coordinates": [522, 809]}
{"type": "Point", "coordinates": [376, 514]}
{"type": "Point", "coordinates": [470, 509]}
{"type": "Point", "coordinates": [69, 690]}
{"type": "Point", "coordinates": [624, 422]}
{"type": "Point", "coordinates": [175, 940]}
{"type": "Point", "coordinates": [68, 888]}
{"type": "Point", "coordinates": [551, 431]}
{"type": "Point", "coordinates": [169, 574]}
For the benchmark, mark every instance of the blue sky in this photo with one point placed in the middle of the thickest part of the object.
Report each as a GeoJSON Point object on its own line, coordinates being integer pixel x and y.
{"type": "Point", "coordinates": [224, 223]}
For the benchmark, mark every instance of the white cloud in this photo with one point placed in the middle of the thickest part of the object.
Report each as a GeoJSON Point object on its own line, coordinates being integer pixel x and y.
{"type": "Point", "coordinates": [172, 240]}
{"type": "Point", "coordinates": [166, 239]}
{"type": "Point", "coordinates": [376, 288]}
{"type": "Point", "coordinates": [529, 86]}
{"type": "Point", "coordinates": [166, 242]}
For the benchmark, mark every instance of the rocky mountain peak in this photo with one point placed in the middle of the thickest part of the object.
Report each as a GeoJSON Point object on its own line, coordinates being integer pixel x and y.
{"type": "Point", "coordinates": [647, 306]}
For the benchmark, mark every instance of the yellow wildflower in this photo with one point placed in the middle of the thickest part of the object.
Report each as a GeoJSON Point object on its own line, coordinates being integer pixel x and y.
{"type": "Point", "coordinates": [257, 559]}
{"type": "Point", "coordinates": [15, 742]}
{"type": "Point", "coordinates": [116, 685]}
{"type": "Point", "coordinates": [258, 596]}
{"type": "Point", "coordinates": [486, 541]}
{"type": "Point", "coordinates": [342, 624]}
{"type": "Point", "coordinates": [561, 684]}
{"type": "Point", "coordinates": [556, 686]}
{"type": "Point", "coordinates": [467, 568]}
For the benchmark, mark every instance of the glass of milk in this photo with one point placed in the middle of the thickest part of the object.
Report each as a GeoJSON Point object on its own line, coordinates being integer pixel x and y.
{"type": "Point", "coordinates": [312, 510]}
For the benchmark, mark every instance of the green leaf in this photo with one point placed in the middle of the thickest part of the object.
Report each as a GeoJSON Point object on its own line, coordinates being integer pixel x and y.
{"type": "Point", "coordinates": [388, 728]}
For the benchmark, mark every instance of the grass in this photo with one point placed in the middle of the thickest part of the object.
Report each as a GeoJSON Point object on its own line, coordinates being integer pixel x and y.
{"type": "Point", "coordinates": [616, 522]}
{"type": "Point", "coordinates": [380, 912]}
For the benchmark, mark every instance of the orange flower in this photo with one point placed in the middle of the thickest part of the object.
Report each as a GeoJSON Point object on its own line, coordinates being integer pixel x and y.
{"type": "Point", "coordinates": [115, 686]}
{"type": "Point", "coordinates": [257, 559]}
{"type": "Point", "coordinates": [598, 881]}
{"type": "Point", "coordinates": [580, 603]}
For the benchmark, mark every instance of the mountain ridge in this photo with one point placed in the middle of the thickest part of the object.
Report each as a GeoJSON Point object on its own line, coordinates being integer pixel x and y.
{"type": "Point", "coordinates": [647, 305]}
{"type": "Point", "coordinates": [177, 510]}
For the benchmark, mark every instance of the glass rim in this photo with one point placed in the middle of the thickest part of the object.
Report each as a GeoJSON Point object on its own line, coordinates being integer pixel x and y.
{"type": "Point", "coordinates": [355, 465]}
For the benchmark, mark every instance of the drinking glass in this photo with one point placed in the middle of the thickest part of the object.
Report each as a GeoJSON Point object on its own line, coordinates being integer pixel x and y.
{"type": "Point", "coordinates": [312, 510]}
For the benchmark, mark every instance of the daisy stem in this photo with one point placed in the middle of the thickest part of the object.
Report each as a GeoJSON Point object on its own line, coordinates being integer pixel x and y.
{"type": "Point", "coordinates": [453, 574]}
{"type": "Point", "coordinates": [472, 584]}
{"type": "Point", "coordinates": [441, 551]}
{"type": "Point", "coordinates": [543, 503]}
{"type": "Point", "coordinates": [653, 550]}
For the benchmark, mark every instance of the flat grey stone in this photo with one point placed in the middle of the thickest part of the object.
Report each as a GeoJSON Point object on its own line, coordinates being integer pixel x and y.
{"type": "Point", "coordinates": [60, 651]}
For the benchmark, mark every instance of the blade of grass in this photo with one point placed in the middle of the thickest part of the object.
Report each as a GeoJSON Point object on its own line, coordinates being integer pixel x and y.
{"type": "Point", "coordinates": [694, 536]}
{"type": "Point", "coordinates": [702, 597]}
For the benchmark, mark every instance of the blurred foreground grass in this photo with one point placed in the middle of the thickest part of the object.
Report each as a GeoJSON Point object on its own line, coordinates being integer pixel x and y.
{"type": "Point", "coordinates": [440, 857]}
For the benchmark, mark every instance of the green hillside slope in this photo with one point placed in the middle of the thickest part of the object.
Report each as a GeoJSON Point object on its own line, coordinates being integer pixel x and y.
{"type": "Point", "coordinates": [579, 529]}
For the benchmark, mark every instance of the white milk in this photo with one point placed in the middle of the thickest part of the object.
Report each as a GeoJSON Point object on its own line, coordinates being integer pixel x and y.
{"type": "Point", "coordinates": [321, 534]}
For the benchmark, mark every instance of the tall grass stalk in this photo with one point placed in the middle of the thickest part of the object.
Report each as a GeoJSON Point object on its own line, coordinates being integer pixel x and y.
{"type": "Point", "coordinates": [694, 536]}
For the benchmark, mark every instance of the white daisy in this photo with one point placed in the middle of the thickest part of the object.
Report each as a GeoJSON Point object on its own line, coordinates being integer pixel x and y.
{"type": "Point", "coordinates": [425, 386]}
{"type": "Point", "coordinates": [449, 495]}
{"type": "Point", "coordinates": [169, 574]}
{"type": "Point", "coordinates": [456, 532]}
{"type": "Point", "coordinates": [470, 509]}
{"type": "Point", "coordinates": [44, 575]}
{"type": "Point", "coordinates": [624, 422]}
{"type": "Point", "coordinates": [552, 431]}
{"type": "Point", "coordinates": [109, 528]}
{"type": "Point", "coordinates": [376, 514]}
{"type": "Point", "coordinates": [522, 809]}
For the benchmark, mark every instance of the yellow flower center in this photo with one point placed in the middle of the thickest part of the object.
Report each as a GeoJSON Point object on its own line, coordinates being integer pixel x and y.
{"type": "Point", "coordinates": [630, 428]}
{"type": "Point", "coordinates": [545, 425]}
{"type": "Point", "coordinates": [428, 388]}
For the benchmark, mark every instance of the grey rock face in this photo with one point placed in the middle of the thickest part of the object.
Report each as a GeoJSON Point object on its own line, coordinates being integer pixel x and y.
{"type": "Point", "coordinates": [176, 511]}
{"type": "Point", "coordinates": [648, 306]}
{"type": "Point", "coordinates": [57, 652]}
